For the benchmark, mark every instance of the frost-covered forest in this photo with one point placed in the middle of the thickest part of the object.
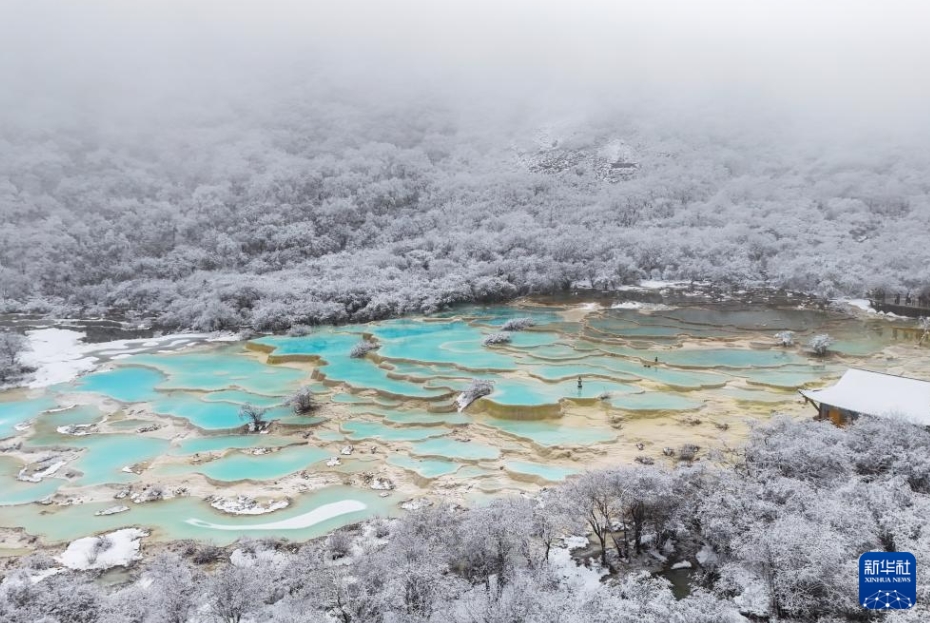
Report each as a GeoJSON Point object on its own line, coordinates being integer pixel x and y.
{"type": "Point", "coordinates": [772, 535]}
{"type": "Point", "coordinates": [321, 208]}
{"type": "Point", "coordinates": [297, 165]}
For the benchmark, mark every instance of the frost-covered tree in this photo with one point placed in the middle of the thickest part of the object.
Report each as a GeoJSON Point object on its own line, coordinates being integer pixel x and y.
{"type": "Point", "coordinates": [303, 401]}
{"type": "Point", "coordinates": [362, 348]}
{"type": "Point", "coordinates": [785, 338]}
{"type": "Point", "coordinates": [475, 390]}
{"type": "Point", "coordinates": [496, 338]}
{"type": "Point", "coordinates": [254, 417]}
{"type": "Point", "coordinates": [174, 592]}
{"type": "Point", "coordinates": [518, 324]}
{"type": "Point", "coordinates": [820, 344]}
{"type": "Point", "coordinates": [12, 346]}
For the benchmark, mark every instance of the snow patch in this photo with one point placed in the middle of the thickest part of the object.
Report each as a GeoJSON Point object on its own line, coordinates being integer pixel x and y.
{"type": "Point", "coordinates": [115, 549]}
{"type": "Point", "coordinates": [41, 474]}
{"type": "Point", "coordinates": [706, 556]}
{"type": "Point", "coordinates": [307, 520]}
{"type": "Point", "coordinates": [58, 355]}
{"type": "Point", "coordinates": [584, 578]}
{"type": "Point", "coordinates": [245, 505]}
{"type": "Point", "coordinates": [61, 355]}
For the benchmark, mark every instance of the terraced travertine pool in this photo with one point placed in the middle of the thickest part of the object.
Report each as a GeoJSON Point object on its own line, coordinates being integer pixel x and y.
{"type": "Point", "coordinates": [161, 434]}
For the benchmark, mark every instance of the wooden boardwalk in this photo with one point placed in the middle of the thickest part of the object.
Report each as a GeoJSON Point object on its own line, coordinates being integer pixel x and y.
{"type": "Point", "coordinates": [902, 305]}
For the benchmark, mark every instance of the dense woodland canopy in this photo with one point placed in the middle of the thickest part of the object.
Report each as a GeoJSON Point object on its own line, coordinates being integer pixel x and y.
{"type": "Point", "coordinates": [775, 534]}
{"type": "Point", "coordinates": [317, 203]}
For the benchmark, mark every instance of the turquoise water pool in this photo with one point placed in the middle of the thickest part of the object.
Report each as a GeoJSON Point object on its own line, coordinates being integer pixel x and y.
{"type": "Point", "coordinates": [541, 470]}
{"type": "Point", "coordinates": [454, 449]}
{"type": "Point", "coordinates": [427, 468]}
{"type": "Point", "coordinates": [15, 412]}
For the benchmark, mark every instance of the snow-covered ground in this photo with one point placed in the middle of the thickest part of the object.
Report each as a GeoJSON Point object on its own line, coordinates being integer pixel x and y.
{"type": "Point", "coordinates": [61, 355]}
{"type": "Point", "coordinates": [584, 578]}
{"type": "Point", "coordinates": [115, 549]}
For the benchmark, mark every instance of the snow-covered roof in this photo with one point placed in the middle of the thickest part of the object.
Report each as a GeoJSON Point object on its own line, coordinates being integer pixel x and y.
{"type": "Point", "coordinates": [877, 394]}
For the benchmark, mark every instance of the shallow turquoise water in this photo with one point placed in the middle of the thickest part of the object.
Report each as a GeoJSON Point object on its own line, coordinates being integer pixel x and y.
{"type": "Point", "coordinates": [756, 395]}
{"type": "Point", "coordinates": [190, 518]}
{"type": "Point", "coordinates": [422, 417]}
{"type": "Point", "coordinates": [755, 319]}
{"type": "Point", "coordinates": [532, 339]}
{"type": "Point", "coordinates": [731, 358]}
{"type": "Point", "coordinates": [454, 449]}
{"type": "Point", "coordinates": [209, 415]}
{"type": "Point", "coordinates": [427, 468]}
{"type": "Point", "coordinates": [16, 412]}
{"type": "Point", "coordinates": [360, 373]}
{"type": "Point", "coordinates": [359, 430]}
{"type": "Point", "coordinates": [239, 465]}
{"type": "Point", "coordinates": [240, 397]}
{"type": "Point", "coordinates": [551, 433]}
{"type": "Point", "coordinates": [655, 401]}
{"type": "Point", "coordinates": [14, 491]}
{"type": "Point", "coordinates": [106, 455]}
{"type": "Point", "coordinates": [125, 383]}
{"type": "Point", "coordinates": [548, 472]}
{"type": "Point", "coordinates": [530, 392]}
{"type": "Point", "coordinates": [217, 443]}
{"type": "Point", "coordinates": [46, 427]}
{"type": "Point", "coordinates": [573, 371]}
{"type": "Point", "coordinates": [225, 368]}
{"type": "Point", "coordinates": [443, 343]}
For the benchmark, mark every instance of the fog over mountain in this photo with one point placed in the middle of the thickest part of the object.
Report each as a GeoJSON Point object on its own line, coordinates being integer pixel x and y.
{"type": "Point", "coordinates": [371, 159]}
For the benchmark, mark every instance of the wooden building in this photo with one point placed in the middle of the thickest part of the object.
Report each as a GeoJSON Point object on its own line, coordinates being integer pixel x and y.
{"type": "Point", "coordinates": [874, 394]}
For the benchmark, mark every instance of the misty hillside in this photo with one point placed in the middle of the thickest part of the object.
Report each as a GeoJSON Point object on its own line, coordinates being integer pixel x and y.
{"type": "Point", "coordinates": [218, 179]}
{"type": "Point", "coordinates": [357, 212]}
